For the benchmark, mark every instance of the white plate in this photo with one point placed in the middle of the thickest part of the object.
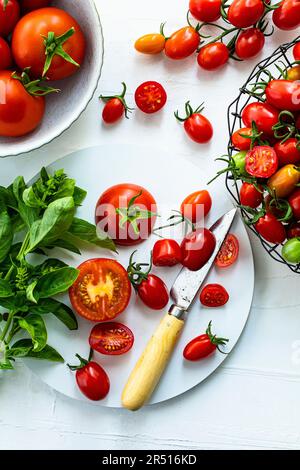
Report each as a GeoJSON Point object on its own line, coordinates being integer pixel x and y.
{"type": "Point", "coordinates": [169, 178]}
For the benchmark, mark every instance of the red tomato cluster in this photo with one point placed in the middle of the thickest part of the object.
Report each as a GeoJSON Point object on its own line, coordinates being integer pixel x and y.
{"type": "Point", "coordinates": [245, 26]}
{"type": "Point", "coordinates": [38, 42]}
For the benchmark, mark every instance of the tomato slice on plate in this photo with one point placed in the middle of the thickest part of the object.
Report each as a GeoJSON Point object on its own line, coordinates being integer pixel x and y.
{"type": "Point", "coordinates": [214, 295]}
{"type": "Point", "coordinates": [101, 291]}
{"type": "Point", "coordinates": [111, 338]}
{"type": "Point", "coordinates": [150, 97]}
{"type": "Point", "coordinates": [229, 252]}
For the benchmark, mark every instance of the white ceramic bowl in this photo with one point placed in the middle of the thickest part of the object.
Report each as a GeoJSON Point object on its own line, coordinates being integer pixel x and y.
{"type": "Point", "coordinates": [65, 107]}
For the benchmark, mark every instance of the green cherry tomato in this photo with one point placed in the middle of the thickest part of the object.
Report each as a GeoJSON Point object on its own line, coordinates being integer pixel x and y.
{"type": "Point", "coordinates": [291, 251]}
{"type": "Point", "coordinates": [240, 161]}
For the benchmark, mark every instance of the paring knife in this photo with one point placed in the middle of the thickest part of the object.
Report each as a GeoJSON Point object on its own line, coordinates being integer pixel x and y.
{"type": "Point", "coordinates": [153, 361]}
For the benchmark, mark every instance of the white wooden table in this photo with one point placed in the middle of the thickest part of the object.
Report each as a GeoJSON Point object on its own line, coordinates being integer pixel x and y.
{"type": "Point", "coordinates": [250, 402]}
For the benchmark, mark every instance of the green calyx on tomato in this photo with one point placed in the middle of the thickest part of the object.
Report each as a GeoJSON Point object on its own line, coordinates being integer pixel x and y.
{"type": "Point", "coordinates": [135, 273]}
{"type": "Point", "coordinates": [132, 213]}
{"type": "Point", "coordinates": [54, 46]}
{"type": "Point", "coordinates": [120, 97]}
{"type": "Point", "coordinates": [33, 87]}
{"type": "Point", "coordinates": [236, 165]}
{"type": "Point", "coordinates": [82, 362]}
{"type": "Point", "coordinates": [215, 340]}
{"type": "Point", "coordinates": [291, 251]}
{"type": "Point", "coordinates": [5, 2]}
{"type": "Point", "coordinates": [189, 111]}
{"type": "Point", "coordinates": [176, 219]}
{"type": "Point", "coordinates": [285, 127]}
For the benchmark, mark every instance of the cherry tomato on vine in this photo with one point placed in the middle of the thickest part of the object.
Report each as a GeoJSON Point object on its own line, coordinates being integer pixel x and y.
{"type": "Point", "coordinates": [22, 111]}
{"type": "Point", "coordinates": [245, 13]}
{"type": "Point", "coordinates": [261, 161]}
{"type": "Point", "coordinates": [271, 229]}
{"type": "Point", "coordinates": [283, 95]}
{"type": "Point", "coordinates": [127, 212]}
{"type": "Point", "coordinates": [213, 56]}
{"type": "Point", "coordinates": [263, 115]}
{"type": "Point", "coordinates": [182, 43]}
{"type": "Point", "coordinates": [249, 43]}
{"type": "Point", "coordinates": [277, 207]}
{"type": "Point", "coordinates": [9, 16]}
{"type": "Point", "coordinates": [91, 378]}
{"type": "Point", "coordinates": [229, 252]}
{"type": "Point", "coordinates": [196, 205]}
{"type": "Point", "coordinates": [206, 11]}
{"type": "Point", "coordinates": [241, 139]}
{"type": "Point", "coordinates": [5, 55]}
{"type": "Point", "coordinates": [60, 54]}
{"type": "Point", "coordinates": [166, 252]}
{"type": "Point", "coordinates": [287, 16]}
{"type": "Point", "coordinates": [111, 338]}
{"type": "Point", "coordinates": [288, 151]}
{"type": "Point", "coordinates": [294, 73]}
{"type": "Point", "coordinates": [250, 196]}
{"type": "Point", "coordinates": [284, 181]}
{"type": "Point", "coordinates": [196, 248]}
{"type": "Point", "coordinates": [294, 201]}
{"type": "Point", "coordinates": [115, 107]}
{"type": "Point", "coordinates": [214, 295]}
{"type": "Point", "coordinates": [101, 291]}
{"type": "Point", "coordinates": [151, 43]}
{"type": "Point", "coordinates": [296, 51]}
{"type": "Point", "coordinates": [150, 97]}
{"type": "Point", "coordinates": [30, 5]}
{"type": "Point", "coordinates": [203, 345]}
{"type": "Point", "coordinates": [293, 230]}
{"type": "Point", "coordinates": [291, 251]}
{"type": "Point", "coordinates": [197, 126]}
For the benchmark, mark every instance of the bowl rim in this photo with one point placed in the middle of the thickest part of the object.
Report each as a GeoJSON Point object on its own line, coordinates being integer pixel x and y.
{"type": "Point", "coordinates": [15, 153]}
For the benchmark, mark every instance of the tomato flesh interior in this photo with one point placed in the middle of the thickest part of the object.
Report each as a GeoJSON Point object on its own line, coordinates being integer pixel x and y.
{"type": "Point", "coordinates": [111, 338]}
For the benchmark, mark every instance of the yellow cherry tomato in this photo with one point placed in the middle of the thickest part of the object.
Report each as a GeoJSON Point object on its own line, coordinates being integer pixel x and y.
{"type": "Point", "coordinates": [283, 182]}
{"type": "Point", "coordinates": [151, 43]}
{"type": "Point", "coordinates": [294, 73]}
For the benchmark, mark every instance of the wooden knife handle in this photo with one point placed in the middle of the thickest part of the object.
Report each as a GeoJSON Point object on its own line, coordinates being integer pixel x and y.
{"type": "Point", "coordinates": [152, 363]}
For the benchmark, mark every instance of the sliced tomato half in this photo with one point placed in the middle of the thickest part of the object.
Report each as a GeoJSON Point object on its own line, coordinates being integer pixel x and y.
{"type": "Point", "coordinates": [101, 291]}
{"type": "Point", "coordinates": [229, 252]}
{"type": "Point", "coordinates": [111, 338]}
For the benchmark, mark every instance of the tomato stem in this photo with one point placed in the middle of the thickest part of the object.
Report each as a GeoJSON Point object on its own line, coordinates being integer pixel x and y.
{"type": "Point", "coordinates": [33, 87]}
{"type": "Point", "coordinates": [121, 97]}
{"type": "Point", "coordinates": [83, 362]}
{"type": "Point", "coordinates": [135, 273]}
{"type": "Point", "coordinates": [5, 2]}
{"type": "Point", "coordinates": [189, 111]}
{"type": "Point", "coordinates": [54, 46]}
{"type": "Point", "coordinates": [215, 339]}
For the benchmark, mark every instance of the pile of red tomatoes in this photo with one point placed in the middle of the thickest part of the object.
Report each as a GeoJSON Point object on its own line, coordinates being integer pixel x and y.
{"type": "Point", "coordinates": [241, 34]}
{"type": "Point", "coordinates": [37, 43]}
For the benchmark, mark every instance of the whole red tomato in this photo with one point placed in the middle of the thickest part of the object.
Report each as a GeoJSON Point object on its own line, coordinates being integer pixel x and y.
{"type": "Point", "coordinates": [115, 107]}
{"type": "Point", "coordinates": [166, 252]}
{"type": "Point", "coordinates": [196, 205]}
{"type": "Point", "coordinates": [153, 292]}
{"type": "Point", "coordinates": [127, 212]}
{"type": "Point", "coordinates": [150, 97]}
{"type": "Point", "coordinates": [196, 248]}
{"type": "Point", "coordinates": [197, 126]}
{"type": "Point", "coordinates": [284, 94]}
{"type": "Point", "coordinates": [60, 54]}
{"type": "Point", "coordinates": [294, 201]}
{"type": "Point", "coordinates": [263, 115]}
{"type": "Point", "coordinates": [271, 229]}
{"type": "Point", "coordinates": [203, 345]}
{"type": "Point", "coordinates": [261, 161]}
{"type": "Point", "coordinates": [288, 151]}
{"type": "Point", "coordinates": [213, 56]}
{"type": "Point", "coordinates": [287, 16]}
{"type": "Point", "coordinates": [30, 5]}
{"type": "Point", "coordinates": [20, 112]}
{"type": "Point", "coordinates": [293, 230]}
{"type": "Point", "coordinates": [249, 43]}
{"type": "Point", "coordinates": [5, 55]}
{"type": "Point", "coordinates": [250, 196]}
{"type": "Point", "coordinates": [9, 16]}
{"type": "Point", "coordinates": [182, 43]}
{"type": "Point", "coordinates": [296, 51]}
{"type": "Point", "coordinates": [241, 139]}
{"type": "Point", "coordinates": [245, 13]}
{"type": "Point", "coordinates": [206, 11]}
{"type": "Point", "coordinates": [91, 379]}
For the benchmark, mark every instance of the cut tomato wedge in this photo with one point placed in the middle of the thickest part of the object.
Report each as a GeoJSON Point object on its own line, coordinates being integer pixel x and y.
{"type": "Point", "coordinates": [111, 338]}
{"type": "Point", "coordinates": [229, 252]}
{"type": "Point", "coordinates": [101, 291]}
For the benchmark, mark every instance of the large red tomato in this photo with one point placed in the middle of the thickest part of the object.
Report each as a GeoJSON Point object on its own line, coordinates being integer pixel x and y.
{"type": "Point", "coordinates": [127, 212]}
{"type": "Point", "coordinates": [9, 16]}
{"type": "Point", "coordinates": [20, 112]}
{"type": "Point", "coordinates": [48, 37]}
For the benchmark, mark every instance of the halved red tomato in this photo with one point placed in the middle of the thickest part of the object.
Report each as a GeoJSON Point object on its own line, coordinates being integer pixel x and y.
{"type": "Point", "coordinates": [229, 252]}
{"type": "Point", "coordinates": [101, 291]}
{"type": "Point", "coordinates": [111, 338]}
{"type": "Point", "coordinates": [261, 161]}
{"type": "Point", "coordinates": [214, 295]}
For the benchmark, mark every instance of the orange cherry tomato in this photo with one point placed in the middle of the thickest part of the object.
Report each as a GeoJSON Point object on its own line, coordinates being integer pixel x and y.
{"type": "Point", "coordinates": [182, 43]}
{"type": "Point", "coordinates": [191, 205]}
{"type": "Point", "coordinates": [283, 182]}
{"type": "Point", "coordinates": [293, 73]}
{"type": "Point", "coordinates": [151, 43]}
{"type": "Point", "coordinates": [241, 138]}
{"type": "Point", "coordinates": [229, 252]}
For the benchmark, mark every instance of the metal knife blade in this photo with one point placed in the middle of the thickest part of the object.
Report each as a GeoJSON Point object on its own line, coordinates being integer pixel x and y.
{"type": "Point", "coordinates": [188, 283]}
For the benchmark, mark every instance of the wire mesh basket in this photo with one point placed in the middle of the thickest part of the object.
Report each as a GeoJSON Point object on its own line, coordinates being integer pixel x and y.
{"type": "Point", "coordinates": [281, 57]}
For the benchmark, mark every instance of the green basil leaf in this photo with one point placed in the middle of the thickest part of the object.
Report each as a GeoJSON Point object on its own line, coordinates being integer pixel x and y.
{"type": "Point", "coordinates": [5, 289]}
{"type": "Point", "coordinates": [79, 196]}
{"type": "Point", "coordinates": [17, 302]}
{"type": "Point", "coordinates": [6, 234]}
{"type": "Point", "coordinates": [8, 197]}
{"type": "Point", "coordinates": [44, 175]}
{"type": "Point", "coordinates": [88, 232]}
{"type": "Point", "coordinates": [30, 294]}
{"type": "Point", "coordinates": [30, 199]}
{"type": "Point", "coordinates": [56, 220]}
{"type": "Point", "coordinates": [24, 348]}
{"type": "Point", "coordinates": [36, 328]}
{"type": "Point", "coordinates": [61, 311]}
{"type": "Point", "coordinates": [56, 282]}
{"type": "Point", "coordinates": [17, 223]}
{"type": "Point", "coordinates": [64, 244]}
{"type": "Point", "coordinates": [51, 264]}
{"type": "Point", "coordinates": [7, 365]}
{"type": "Point", "coordinates": [66, 189]}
